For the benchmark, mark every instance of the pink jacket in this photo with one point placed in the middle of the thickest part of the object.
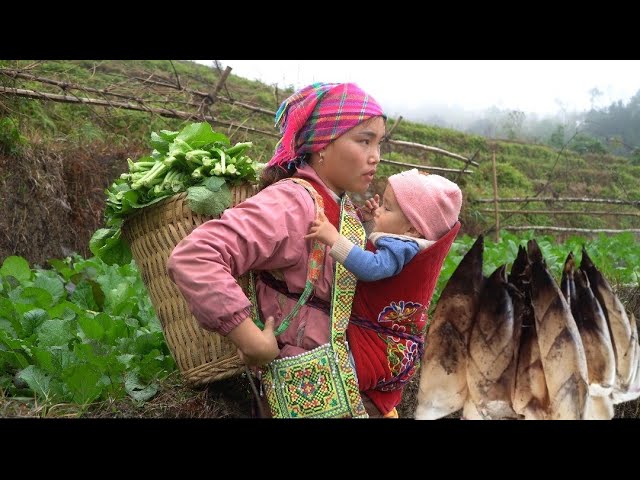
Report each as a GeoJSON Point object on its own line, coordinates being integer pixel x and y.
{"type": "Point", "coordinates": [262, 233]}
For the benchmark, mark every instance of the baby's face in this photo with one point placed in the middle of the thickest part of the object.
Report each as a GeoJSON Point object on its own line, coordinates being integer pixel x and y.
{"type": "Point", "coordinates": [389, 217]}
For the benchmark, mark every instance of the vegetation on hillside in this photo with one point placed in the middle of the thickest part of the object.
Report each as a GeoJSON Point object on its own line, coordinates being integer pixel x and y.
{"type": "Point", "coordinates": [523, 169]}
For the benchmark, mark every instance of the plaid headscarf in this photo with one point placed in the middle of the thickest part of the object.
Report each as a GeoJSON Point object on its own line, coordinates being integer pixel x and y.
{"type": "Point", "coordinates": [317, 114]}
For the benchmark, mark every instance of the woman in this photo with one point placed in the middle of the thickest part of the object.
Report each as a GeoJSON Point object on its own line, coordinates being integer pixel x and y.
{"type": "Point", "coordinates": [331, 138]}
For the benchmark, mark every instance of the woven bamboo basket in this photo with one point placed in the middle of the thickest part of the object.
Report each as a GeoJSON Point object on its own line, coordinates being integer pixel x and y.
{"type": "Point", "coordinates": [202, 356]}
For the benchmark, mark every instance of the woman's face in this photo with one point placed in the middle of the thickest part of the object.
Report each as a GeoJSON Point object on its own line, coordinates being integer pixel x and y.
{"type": "Point", "coordinates": [351, 160]}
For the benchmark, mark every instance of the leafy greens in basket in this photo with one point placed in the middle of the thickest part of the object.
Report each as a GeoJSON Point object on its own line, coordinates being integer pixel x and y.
{"type": "Point", "coordinates": [196, 160]}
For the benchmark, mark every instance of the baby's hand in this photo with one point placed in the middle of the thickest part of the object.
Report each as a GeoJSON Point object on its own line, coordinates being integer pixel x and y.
{"type": "Point", "coordinates": [323, 230]}
{"type": "Point", "coordinates": [370, 207]}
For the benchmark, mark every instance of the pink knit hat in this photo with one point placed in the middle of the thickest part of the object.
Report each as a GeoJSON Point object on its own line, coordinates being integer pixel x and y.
{"type": "Point", "coordinates": [430, 202]}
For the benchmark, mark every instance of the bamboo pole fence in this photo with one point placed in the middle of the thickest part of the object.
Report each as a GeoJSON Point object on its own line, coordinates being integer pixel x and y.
{"type": "Point", "coordinates": [497, 211]}
{"type": "Point", "coordinates": [165, 112]}
{"type": "Point", "coordinates": [613, 201]}
{"type": "Point", "coordinates": [570, 229]}
{"type": "Point", "coordinates": [560, 212]}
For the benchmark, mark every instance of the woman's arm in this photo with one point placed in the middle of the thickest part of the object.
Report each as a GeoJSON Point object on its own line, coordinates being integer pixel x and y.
{"type": "Point", "coordinates": [264, 232]}
{"type": "Point", "coordinates": [256, 347]}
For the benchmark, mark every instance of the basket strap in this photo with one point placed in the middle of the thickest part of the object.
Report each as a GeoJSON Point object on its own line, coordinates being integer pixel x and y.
{"type": "Point", "coordinates": [314, 267]}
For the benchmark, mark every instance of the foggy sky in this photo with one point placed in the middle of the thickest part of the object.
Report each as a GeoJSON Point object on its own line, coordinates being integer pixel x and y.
{"type": "Point", "coordinates": [419, 88]}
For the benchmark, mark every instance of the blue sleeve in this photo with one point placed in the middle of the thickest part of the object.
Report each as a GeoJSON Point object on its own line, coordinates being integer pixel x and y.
{"type": "Point", "coordinates": [390, 258]}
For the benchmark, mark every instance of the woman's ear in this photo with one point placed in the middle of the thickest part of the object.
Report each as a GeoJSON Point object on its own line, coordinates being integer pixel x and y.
{"type": "Point", "coordinates": [321, 154]}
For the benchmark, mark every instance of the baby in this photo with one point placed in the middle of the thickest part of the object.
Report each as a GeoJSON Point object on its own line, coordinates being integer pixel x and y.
{"type": "Point", "coordinates": [416, 211]}
{"type": "Point", "coordinates": [410, 235]}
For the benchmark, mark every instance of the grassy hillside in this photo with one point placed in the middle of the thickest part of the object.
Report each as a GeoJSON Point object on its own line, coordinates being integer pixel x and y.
{"type": "Point", "coordinates": [74, 124]}
{"type": "Point", "coordinates": [75, 130]}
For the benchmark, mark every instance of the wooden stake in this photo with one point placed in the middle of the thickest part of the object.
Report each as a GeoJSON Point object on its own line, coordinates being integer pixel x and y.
{"type": "Point", "coordinates": [495, 195]}
{"type": "Point", "coordinates": [434, 150]}
{"type": "Point", "coordinates": [465, 166]}
{"type": "Point", "coordinates": [395, 124]}
{"type": "Point", "coordinates": [424, 167]}
{"type": "Point", "coordinates": [223, 78]}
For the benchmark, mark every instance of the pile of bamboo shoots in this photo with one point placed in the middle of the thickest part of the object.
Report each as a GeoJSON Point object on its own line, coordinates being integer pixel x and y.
{"type": "Point", "coordinates": [523, 347]}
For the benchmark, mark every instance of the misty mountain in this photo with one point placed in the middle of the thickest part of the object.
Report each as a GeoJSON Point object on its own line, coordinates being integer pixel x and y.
{"type": "Point", "coordinates": [614, 129]}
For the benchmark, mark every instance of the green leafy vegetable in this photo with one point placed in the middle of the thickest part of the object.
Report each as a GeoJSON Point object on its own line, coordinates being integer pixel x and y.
{"type": "Point", "coordinates": [16, 267]}
{"type": "Point", "coordinates": [207, 202]}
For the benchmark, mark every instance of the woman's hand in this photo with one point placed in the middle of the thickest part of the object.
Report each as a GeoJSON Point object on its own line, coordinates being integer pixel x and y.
{"type": "Point", "coordinates": [370, 207]}
{"type": "Point", "coordinates": [255, 347]}
{"type": "Point", "coordinates": [323, 230]}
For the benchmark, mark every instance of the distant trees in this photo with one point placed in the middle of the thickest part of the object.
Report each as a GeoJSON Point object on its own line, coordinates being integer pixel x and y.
{"type": "Point", "coordinates": [583, 143]}
{"type": "Point", "coordinates": [497, 123]}
{"type": "Point", "coordinates": [617, 126]}
{"type": "Point", "coordinates": [594, 93]}
{"type": "Point", "coordinates": [513, 124]}
{"type": "Point", "coordinates": [614, 129]}
{"type": "Point", "coordinates": [557, 138]}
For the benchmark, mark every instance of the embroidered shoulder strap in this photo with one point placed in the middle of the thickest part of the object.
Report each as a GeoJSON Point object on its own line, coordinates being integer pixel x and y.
{"type": "Point", "coordinates": [344, 288]}
{"type": "Point", "coordinates": [314, 267]}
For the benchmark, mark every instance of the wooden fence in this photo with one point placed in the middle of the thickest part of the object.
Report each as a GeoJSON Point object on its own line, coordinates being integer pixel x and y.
{"type": "Point", "coordinates": [497, 211]}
